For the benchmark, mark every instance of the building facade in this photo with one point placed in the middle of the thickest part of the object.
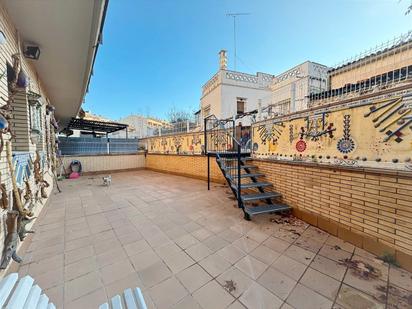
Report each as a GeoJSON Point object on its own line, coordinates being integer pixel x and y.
{"type": "Point", "coordinates": [229, 93]}
{"type": "Point", "coordinates": [141, 126]}
{"type": "Point", "coordinates": [387, 66]}
{"type": "Point", "coordinates": [291, 89]}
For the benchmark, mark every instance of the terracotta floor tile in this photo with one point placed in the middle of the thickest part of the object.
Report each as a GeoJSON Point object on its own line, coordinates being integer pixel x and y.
{"type": "Point", "coordinates": [277, 283]}
{"type": "Point", "coordinates": [80, 268]}
{"type": "Point", "coordinates": [265, 254]}
{"type": "Point", "coordinates": [257, 296]}
{"type": "Point", "coordinates": [117, 287]}
{"type": "Point", "coordinates": [334, 241]}
{"type": "Point", "coordinates": [167, 293]}
{"type": "Point", "coordinates": [193, 277]}
{"type": "Point", "coordinates": [178, 261]}
{"type": "Point", "coordinates": [92, 300]}
{"type": "Point", "coordinates": [202, 234]}
{"type": "Point", "coordinates": [198, 252]}
{"type": "Point", "coordinates": [352, 298]}
{"type": "Point", "coordinates": [334, 253]}
{"type": "Point", "coordinates": [116, 271]}
{"type": "Point", "coordinates": [110, 257]}
{"type": "Point", "coordinates": [257, 235]}
{"type": "Point", "coordinates": [136, 247]}
{"type": "Point", "coordinates": [246, 244]}
{"type": "Point", "coordinates": [303, 297]}
{"type": "Point", "coordinates": [320, 283]}
{"type": "Point", "coordinates": [215, 243]}
{"type": "Point", "coordinates": [299, 254]}
{"type": "Point", "coordinates": [234, 281]}
{"type": "Point", "coordinates": [289, 267]}
{"type": "Point", "coordinates": [229, 235]}
{"type": "Point", "coordinates": [231, 253]}
{"type": "Point", "coordinates": [213, 296]}
{"type": "Point", "coordinates": [328, 267]}
{"type": "Point", "coordinates": [78, 254]}
{"type": "Point", "coordinates": [400, 277]}
{"type": "Point", "coordinates": [251, 266]}
{"type": "Point", "coordinates": [82, 286]}
{"type": "Point", "coordinates": [214, 264]}
{"type": "Point", "coordinates": [187, 303]}
{"type": "Point", "coordinates": [186, 241]}
{"type": "Point", "coordinates": [276, 244]}
{"type": "Point", "coordinates": [236, 305]}
{"type": "Point", "coordinates": [144, 259]}
{"type": "Point", "coordinates": [154, 274]}
{"type": "Point", "coordinates": [56, 295]}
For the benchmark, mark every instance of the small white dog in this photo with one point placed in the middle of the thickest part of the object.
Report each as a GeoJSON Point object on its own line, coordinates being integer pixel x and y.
{"type": "Point", "coordinates": [107, 180]}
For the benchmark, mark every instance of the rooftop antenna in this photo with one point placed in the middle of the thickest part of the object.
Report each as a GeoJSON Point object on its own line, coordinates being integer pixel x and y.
{"type": "Point", "coordinates": [234, 15]}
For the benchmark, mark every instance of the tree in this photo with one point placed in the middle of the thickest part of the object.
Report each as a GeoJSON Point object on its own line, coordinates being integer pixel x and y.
{"type": "Point", "coordinates": [176, 115]}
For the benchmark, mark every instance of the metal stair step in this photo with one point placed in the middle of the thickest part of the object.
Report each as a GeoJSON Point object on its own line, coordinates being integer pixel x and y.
{"type": "Point", "coordinates": [266, 209]}
{"type": "Point", "coordinates": [259, 196]}
{"type": "Point", "coordinates": [253, 185]}
{"type": "Point", "coordinates": [242, 166]}
{"type": "Point", "coordinates": [251, 175]}
{"type": "Point", "coordinates": [234, 159]}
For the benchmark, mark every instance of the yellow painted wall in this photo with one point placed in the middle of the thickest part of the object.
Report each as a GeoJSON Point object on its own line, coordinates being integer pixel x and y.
{"type": "Point", "coordinates": [372, 67]}
{"type": "Point", "coordinates": [281, 139]}
{"type": "Point", "coordinates": [186, 143]}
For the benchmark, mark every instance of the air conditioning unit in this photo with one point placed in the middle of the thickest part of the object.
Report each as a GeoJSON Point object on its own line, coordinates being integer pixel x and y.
{"type": "Point", "coordinates": [31, 51]}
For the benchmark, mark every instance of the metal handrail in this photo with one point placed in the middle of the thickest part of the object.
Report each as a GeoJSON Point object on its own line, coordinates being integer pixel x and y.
{"type": "Point", "coordinates": [223, 154]}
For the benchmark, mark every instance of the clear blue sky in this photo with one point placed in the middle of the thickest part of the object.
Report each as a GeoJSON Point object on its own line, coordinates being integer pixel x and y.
{"type": "Point", "coordinates": [158, 53]}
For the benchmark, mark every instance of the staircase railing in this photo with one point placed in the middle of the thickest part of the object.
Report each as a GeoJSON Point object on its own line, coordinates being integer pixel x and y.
{"type": "Point", "coordinates": [220, 141]}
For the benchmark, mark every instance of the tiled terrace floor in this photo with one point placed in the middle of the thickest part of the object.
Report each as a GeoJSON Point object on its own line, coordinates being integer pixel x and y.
{"type": "Point", "coordinates": [190, 248]}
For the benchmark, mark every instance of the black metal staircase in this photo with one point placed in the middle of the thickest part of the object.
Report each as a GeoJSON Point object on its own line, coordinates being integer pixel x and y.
{"type": "Point", "coordinates": [254, 195]}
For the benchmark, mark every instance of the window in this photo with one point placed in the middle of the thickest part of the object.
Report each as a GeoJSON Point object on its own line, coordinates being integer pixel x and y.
{"type": "Point", "coordinates": [240, 105]}
{"type": "Point", "coordinates": [282, 107]}
{"type": "Point", "coordinates": [35, 117]}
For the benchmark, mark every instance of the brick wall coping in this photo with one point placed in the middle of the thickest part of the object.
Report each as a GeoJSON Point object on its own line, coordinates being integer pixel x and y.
{"type": "Point", "coordinates": [104, 154]}
{"type": "Point", "coordinates": [312, 164]}
{"type": "Point", "coordinates": [340, 167]}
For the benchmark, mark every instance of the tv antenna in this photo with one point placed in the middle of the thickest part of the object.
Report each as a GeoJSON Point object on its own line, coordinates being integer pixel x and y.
{"type": "Point", "coordinates": [234, 15]}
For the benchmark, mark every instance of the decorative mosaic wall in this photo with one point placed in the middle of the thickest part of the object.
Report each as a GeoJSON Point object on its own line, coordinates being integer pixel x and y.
{"type": "Point", "coordinates": [374, 133]}
{"type": "Point", "coordinates": [188, 143]}
{"type": "Point", "coordinates": [366, 133]}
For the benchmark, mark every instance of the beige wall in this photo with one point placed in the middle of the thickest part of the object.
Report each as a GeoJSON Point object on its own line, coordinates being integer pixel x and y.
{"type": "Point", "coordinates": [102, 163]}
{"type": "Point", "coordinates": [194, 166]}
{"type": "Point", "coordinates": [19, 122]}
{"type": "Point", "coordinates": [372, 67]}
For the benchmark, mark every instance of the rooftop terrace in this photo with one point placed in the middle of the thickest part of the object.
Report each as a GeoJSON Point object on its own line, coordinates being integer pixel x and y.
{"type": "Point", "coordinates": [187, 247]}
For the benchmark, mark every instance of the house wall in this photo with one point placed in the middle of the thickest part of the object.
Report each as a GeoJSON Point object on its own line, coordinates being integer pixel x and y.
{"type": "Point", "coordinates": [20, 120]}
{"type": "Point", "coordinates": [223, 89]}
{"type": "Point", "coordinates": [194, 166]}
{"type": "Point", "coordinates": [372, 66]}
{"type": "Point", "coordinates": [107, 163]}
{"type": "Point", "coordinates": [297, 83]}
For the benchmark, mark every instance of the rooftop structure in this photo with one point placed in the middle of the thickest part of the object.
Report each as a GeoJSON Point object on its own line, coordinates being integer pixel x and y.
{"type": "Point", "coordinates": [229, 93]}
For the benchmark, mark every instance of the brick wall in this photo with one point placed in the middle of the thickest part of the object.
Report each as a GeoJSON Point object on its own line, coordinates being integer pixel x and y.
{"type": "Point", "coordinates": [371, 209]}
{"type": "Point", "coordinates": [194, 166]}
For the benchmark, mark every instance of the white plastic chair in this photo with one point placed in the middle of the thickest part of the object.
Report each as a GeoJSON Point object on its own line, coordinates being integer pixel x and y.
{"type": "Point", "coordinates": [22, 294]}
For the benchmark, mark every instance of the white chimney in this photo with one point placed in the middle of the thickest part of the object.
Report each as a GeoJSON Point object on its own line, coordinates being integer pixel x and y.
{"type": "Point", "coordinates": [222, 60]}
